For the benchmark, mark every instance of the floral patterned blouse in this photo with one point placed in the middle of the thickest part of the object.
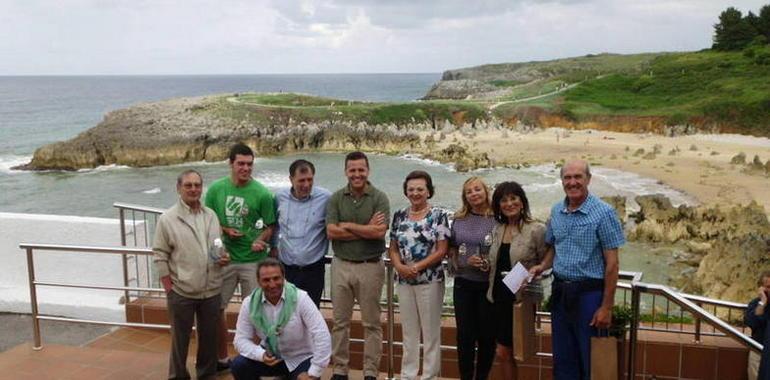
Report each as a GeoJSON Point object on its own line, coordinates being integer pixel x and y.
{"type": "Point", "coordinates": [416, 239]}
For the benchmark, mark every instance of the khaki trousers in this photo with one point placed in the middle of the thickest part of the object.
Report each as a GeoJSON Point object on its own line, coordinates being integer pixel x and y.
{"type": "Point", "coordinates": [753, 367]}
{"type": "Point", "coordinates": [361, 282]}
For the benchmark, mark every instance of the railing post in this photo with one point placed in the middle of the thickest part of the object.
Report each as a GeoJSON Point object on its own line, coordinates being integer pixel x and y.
{"type": "Point", "coordinates": [697, 324]}
{"type": "Point", "coordinates": [634, 333]}
{"type": "Point", "coordinates": [124, 258]}
{"type": "Point", "coordinates": [33, 301]}
{"type": "Point", "coordinates": [391, 324]}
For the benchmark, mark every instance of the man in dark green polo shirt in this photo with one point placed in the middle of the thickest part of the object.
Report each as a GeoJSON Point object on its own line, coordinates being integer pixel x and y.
{"type": "Point", "coordinates": [356, 222]}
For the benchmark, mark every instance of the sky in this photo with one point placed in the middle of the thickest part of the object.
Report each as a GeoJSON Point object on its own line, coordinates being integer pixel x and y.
{"type": "Point", "coordinates": [105, 37]}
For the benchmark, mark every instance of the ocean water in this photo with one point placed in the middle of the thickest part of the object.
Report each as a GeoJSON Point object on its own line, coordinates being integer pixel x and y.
{"type": "Point", "coordinates": [39, 110]}
{"type": "Point", "coordinates": [35, 111]}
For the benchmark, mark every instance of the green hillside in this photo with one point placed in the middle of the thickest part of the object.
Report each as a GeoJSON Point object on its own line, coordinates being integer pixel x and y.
{"type": "Point", "coordinates": [279, 108]}
{"type": "Point", "coordinates": [732, 88]}
{"type": "Point", "coordinates": [726, 87]}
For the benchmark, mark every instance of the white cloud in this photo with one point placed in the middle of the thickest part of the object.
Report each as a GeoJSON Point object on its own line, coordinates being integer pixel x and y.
{"type": "Point", "coordinates": [296, 36]}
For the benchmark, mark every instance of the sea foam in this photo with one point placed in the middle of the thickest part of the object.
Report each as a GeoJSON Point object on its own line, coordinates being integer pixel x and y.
{"type": "Point", "coordinates": [11, 160]}
{"type": "Point", "coordinates": [427, 162]}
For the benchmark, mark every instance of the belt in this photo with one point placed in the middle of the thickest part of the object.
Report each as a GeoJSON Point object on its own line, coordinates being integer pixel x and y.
{"type": "Point", "coordinates": [588, 284]}
{"type": "Point", "coordinates": [567, 293]}
{"type": "Point", "coordinates": [304, 267]}
{"type": "Point", "coordinates": [372, 260]}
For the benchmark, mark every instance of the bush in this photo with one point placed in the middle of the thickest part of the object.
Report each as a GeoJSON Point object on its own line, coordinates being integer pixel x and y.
{"type": "Point", "coordinates": [750, 52]}
{"type": "Point", "coordinates": [762, 58]}
{"type": "Point", "coordinates": [643, 82]}
{"type": "Point", "coordinates": [677, 119]}
{"type": "Point", "coordinates": [621, 318]}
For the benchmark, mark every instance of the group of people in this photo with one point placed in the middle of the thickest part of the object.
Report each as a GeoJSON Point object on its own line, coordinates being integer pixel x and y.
{"type": "Point", "coordinates": [273, 246]}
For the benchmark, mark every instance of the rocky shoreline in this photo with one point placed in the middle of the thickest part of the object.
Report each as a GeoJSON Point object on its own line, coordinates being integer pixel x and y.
{"type": "Point", "coordinates": [727, 246]}
{"type": "Point", "coordinates": [190, 129]}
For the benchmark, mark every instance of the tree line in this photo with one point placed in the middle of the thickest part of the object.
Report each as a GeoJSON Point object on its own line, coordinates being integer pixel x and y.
{"type": "Point", "coordinates": [734, 31]}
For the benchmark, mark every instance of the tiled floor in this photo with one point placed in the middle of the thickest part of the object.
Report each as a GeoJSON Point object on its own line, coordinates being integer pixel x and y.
{"type": "Point", "coordinates": [125, 354]}
{"type": "Point", "coordinates": [133, 354]}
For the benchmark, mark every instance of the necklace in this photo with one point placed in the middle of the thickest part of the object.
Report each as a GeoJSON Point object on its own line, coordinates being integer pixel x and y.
{"type": "Point", "coordinates": [420, 211]}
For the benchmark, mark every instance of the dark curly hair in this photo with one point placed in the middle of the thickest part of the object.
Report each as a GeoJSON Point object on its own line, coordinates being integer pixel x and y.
{"type": "Point", "coordinates": [503, 190]}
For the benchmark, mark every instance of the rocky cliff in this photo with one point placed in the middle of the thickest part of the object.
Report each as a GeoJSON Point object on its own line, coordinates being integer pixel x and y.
{"type": "Point", "coordinates": [194, 129]}
{"type": "Point", "coordinates": [729, 246]}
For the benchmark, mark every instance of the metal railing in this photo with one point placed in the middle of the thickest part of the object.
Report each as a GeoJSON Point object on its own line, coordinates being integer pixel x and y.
{"type": "Point", "coordinates": [661, 314]}
{"type": "Point", "coordinates": [689, 303]}
{"type": "Point", "coordinates": [655, 289]}
{"type": "Point", "coordinates": [676, 315]}
{"type": "Point", "coordinates": [34, 283]}
{"type": "Point", "coordinates": [137, 227]}
{"type": "Point", "coordinates": [138, 224]}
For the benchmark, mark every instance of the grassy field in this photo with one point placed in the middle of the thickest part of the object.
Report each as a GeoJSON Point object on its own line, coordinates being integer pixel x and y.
{"type": "Point", "coordinates": [723, 86]}
{"type": "Point", "coordinates": [732, 88]}
{"type": "Point", "coordinates": [279, 108]}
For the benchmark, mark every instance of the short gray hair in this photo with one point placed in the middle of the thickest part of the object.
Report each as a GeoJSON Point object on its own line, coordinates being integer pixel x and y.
{"type": "Point", "coordinates": [181, 176]}
{"type": "Point", "coordinates": [587, 165]}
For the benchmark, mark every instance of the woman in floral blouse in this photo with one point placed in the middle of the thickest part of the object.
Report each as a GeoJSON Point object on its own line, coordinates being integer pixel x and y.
{"type": "Point", "coordinates": [418, 243]}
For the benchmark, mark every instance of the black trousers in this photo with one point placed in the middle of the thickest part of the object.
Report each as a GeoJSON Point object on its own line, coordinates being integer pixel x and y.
{"type": "Point", "coordinates": [182, 313]}
{"type": "Point", "coordinates": [309, 278]}
{"type": "Point", "coordinates": [475, 329]}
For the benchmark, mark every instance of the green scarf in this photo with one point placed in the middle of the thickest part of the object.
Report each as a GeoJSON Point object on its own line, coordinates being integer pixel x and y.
{"type": "Point", "coordinates": [272, 330]}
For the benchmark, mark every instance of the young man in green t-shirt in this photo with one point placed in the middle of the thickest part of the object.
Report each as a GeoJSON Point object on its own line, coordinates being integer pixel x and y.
{"type": "Point", "coordinates": [246, 211]}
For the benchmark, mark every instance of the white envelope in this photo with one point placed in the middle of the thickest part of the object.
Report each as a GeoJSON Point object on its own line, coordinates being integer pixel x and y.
{"type": "Point", "coordinates": [516, 278]}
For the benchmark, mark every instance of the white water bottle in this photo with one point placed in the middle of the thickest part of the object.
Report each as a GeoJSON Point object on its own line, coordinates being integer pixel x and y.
{"type": "Point", "coordinates": [216, 250]}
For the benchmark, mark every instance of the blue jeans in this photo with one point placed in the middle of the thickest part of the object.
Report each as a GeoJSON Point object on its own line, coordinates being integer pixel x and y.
{"type": "Point", "coordinates": [244, 368]}
{"type": "Point", "coordinates": [571, 336]}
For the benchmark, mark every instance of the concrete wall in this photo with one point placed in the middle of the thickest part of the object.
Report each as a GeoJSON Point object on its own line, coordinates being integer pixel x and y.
{"type": "Point", "coordinates": [82, 268]}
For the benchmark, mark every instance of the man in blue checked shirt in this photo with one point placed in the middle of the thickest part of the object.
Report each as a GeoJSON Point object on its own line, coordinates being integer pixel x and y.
{"type": "Point", "coordinates": [585, 234]}
{"type": "Point", "coordinates": [301, 235]}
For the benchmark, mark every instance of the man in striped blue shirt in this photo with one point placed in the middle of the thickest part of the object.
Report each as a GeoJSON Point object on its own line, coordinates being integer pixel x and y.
{"type": "Point", "coordinates": [585, 234]}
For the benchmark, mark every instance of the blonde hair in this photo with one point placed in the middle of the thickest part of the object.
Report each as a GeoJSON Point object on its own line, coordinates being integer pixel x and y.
{"type": "Point", "coordinates": [465, 209]}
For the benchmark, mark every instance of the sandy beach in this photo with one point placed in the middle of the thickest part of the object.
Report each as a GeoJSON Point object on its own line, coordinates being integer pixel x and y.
{"type": "Point", "coordinates": [699, 165]}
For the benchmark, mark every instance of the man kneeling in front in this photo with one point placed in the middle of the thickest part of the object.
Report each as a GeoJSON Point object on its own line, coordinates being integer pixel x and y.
{"type": "Point", "coordinates": [293, 338]}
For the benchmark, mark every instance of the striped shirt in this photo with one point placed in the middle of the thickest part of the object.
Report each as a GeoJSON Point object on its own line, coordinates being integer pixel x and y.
{"type": "Point", "coordinates": [580, 238]}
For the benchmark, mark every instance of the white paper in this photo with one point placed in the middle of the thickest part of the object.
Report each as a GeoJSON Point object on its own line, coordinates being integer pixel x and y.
{"type": "Point", "coordinates": [517, 277]}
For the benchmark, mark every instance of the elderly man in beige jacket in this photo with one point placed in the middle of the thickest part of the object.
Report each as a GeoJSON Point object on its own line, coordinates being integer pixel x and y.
{"type": "Point", "coordinates": [188, 263]}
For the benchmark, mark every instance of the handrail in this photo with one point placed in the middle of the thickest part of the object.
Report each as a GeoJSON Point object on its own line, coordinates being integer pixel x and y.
{"type": "Point", "coordinates": [628, 275]}
{"type": "Point", "coordinates": [693, 308]}
{"type": "Point", "coordinates": [685, 301]}
{"type": "Point", "coordinates": [30, 248]}
{"type": "Point", "coordinates": [713, 301]}
{"type": "Point", "coordinates": [140, 208]}
{"type": "Point", "coordinates": [638, 287]}
{"type": "Point", "coordinates": [87, 248]}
